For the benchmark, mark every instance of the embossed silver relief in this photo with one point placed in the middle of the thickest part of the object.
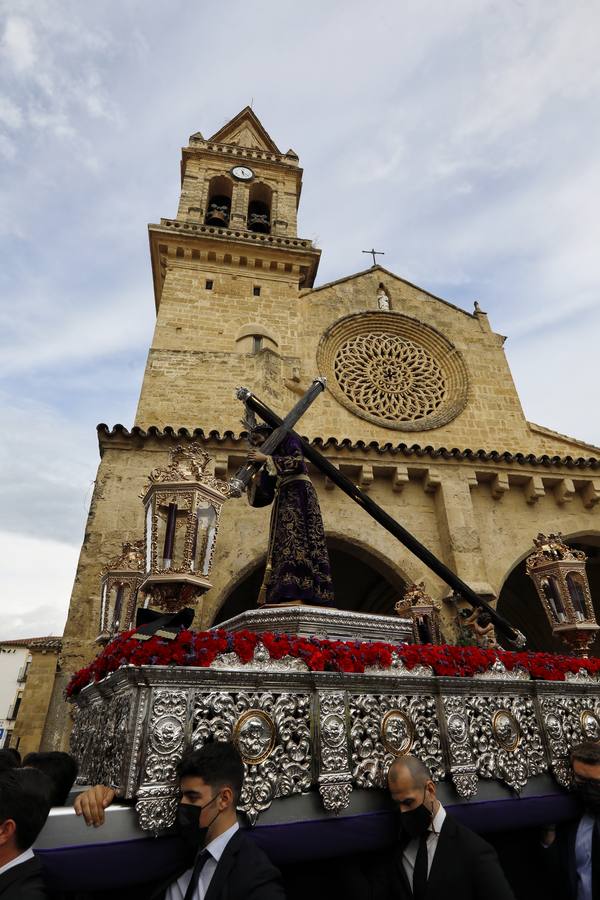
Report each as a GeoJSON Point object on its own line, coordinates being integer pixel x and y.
{"type": "Point", "coordinates": [462, 764]}
{"type": "Point", "coordinates": [506, 730]}
{"type": "Point", "coordinates": [335, 784]}
{"type": "Point", "coordinates": [590, 727]}
{"type": "Point", "coordinates": [405, 721]}
{"type": "Point", "coordinates": [261, 661]}
{"type": "Point", "coordinates": [505, 737]}
{"type": "Point", "coordinates": [272, 732]}
{"type": "Point", "coordinates": [457, 728]}
{"type": "Point", "coordinates": [568, 720]}
{"type": "Point", "coordinates": [101, 738]}
{"type": "Point", "coordinates": [396, 733]}
{"type": "Point", "coordinates": [133, 734]}
{"type": "Point", "coordinates": [156, 800]}
{"type": "Point", "coordinates": [254, 735]}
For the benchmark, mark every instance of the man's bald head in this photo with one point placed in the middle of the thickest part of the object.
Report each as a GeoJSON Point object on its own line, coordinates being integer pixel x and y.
{"type": "Point", "coordinates": [410, 784]}
{"type": "Point", "coordinates": [411, 766]}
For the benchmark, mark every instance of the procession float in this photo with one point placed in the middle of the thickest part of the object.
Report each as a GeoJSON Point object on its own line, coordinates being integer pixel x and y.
{"type": "Point", "coordinates": [319, 701]}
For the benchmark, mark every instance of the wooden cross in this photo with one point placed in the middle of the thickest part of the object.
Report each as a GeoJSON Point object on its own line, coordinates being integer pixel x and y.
{"type": "Point", "coordinates": [374, 253]}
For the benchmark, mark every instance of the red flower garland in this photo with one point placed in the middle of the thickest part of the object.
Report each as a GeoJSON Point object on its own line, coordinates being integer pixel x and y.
{"type": "Point", "coordinates": [201, 648]}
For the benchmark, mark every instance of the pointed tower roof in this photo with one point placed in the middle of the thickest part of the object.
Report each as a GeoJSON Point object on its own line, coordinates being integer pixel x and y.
{"type": "Point", "coordinates": [245, 130]}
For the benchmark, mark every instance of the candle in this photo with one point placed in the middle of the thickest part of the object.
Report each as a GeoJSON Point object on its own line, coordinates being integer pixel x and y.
{"type": "Point", "coordinates": [170, 536]}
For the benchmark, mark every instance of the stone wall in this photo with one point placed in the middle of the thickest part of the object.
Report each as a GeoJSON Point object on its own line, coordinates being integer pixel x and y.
{"type": "Point", "coordinates": [29, 727]}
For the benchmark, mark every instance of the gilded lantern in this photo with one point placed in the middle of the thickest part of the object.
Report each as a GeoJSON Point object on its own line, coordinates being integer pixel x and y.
{"type": "Point", "coordinates": [424, 613]}
{"type": "Point", "coordinates": [119, 588]}
{"type": "Point", "coordinates": [558, 572]}
{"type": "Point", "coordinates": [182, 509]}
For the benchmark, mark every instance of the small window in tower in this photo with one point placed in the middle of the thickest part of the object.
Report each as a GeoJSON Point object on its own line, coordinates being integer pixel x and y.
{"type": "Point", "coordinates": [256, 290]}
{"type": "Point", "coordinates": [209, 284]}
{"type": "Point", "coordinates": [257, 342]}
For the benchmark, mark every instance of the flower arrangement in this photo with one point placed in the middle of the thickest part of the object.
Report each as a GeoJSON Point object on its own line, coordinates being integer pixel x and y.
{"type": "Point", "coordinates": [201, 648]}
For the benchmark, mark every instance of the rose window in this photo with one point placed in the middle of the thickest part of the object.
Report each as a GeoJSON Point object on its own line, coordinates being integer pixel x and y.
{"type": "Point", "coordinates": [393, 370]}
{"type": "Point", "coordinates": [390, 377]}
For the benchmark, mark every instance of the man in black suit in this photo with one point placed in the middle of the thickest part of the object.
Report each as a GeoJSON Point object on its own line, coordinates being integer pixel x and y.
{"type": "Point", "coordinates": [24, 808]}
{"type": "Point", "coordinates": [573, 849]}
{"type": "Point", "coordinates": [436, 858]}
{"type": "Point", "coordinates": [223, 863]}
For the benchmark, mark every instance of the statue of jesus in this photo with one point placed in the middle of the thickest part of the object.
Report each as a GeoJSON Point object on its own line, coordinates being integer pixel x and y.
{"type": "Point", "coordinates": [298, 569]}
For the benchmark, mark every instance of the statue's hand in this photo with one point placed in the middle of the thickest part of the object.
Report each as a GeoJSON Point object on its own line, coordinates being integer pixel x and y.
{"type": "Point", "coordinates": [256, 456]}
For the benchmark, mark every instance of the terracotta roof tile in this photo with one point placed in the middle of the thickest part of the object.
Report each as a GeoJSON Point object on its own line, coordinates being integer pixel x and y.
{"type": "Point", "coordinates": [406, 450]}
{"type": "Point", "coordinates": [50, 642]}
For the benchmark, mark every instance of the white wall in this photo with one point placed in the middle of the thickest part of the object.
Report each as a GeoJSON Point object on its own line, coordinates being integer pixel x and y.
{"type": "Point", "coordinates": [12, 660]}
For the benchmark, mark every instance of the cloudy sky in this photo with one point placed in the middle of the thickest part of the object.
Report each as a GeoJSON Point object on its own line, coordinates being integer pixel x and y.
{"type": "Point", "coordinates": [460, 138]}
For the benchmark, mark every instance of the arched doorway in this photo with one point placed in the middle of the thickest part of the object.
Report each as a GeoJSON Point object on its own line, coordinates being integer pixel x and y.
{"type": "Point", "coordinates": [520, 604]}
{"type": "Point", "coordinates": [362, 583]}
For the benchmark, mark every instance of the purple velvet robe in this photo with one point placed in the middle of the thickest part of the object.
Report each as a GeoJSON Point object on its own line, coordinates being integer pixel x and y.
{"type": "Point", "coordinates": [298, 556]}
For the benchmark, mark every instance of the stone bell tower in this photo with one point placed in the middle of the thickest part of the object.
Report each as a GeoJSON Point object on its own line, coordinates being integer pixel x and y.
{"type": "Point", "coordinates": [226, 272]}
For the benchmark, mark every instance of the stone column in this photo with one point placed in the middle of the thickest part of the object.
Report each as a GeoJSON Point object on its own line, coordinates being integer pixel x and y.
{"type": "Point", "coordinates": [458, 530]}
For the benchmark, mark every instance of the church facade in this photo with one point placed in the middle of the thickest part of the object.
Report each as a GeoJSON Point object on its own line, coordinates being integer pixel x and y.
{"type": "Point", "coordinates": [420, 411]}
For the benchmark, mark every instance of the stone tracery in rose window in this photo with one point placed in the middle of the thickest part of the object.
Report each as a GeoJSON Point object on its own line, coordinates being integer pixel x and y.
{"type": "Point", "coordinates": [394, 370]}
{"type": "Point", "coordinates": [390, 377]}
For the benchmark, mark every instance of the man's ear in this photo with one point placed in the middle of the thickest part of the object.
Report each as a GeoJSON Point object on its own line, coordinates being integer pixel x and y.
{"type": "Point", "coordinates": [226, 798]}
{"type": "Point", "coordinates": [8, 831]}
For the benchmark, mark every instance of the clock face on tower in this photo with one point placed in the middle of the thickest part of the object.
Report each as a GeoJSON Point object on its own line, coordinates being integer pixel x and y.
{"type": "Point", "coordinates": [242, 173]}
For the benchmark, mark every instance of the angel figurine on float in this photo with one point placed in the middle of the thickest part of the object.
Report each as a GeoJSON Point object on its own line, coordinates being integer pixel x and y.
{"type": "Point", "coordinates": [298, 569]}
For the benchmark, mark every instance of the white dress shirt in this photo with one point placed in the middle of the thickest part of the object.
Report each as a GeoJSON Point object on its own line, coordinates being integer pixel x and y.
{"type": "Point", "coordinates": [21, 858]}
{"type": "Point", "coordinates": [583, 856]}
{"type": "Point", "coordinates": [176, 891]}
{"type": "Point", "coordinates": [409, 854]}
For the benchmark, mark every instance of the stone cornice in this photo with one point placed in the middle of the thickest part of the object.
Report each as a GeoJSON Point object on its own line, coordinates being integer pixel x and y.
{"type": "Point", "coordinates": [174, 242]}
{"type": "Point", "coordinates": [119, 435]}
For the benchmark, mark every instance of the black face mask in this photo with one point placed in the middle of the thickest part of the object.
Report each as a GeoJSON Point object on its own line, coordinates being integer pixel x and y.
{"type": "Point", "coordinates": [415, 822]}
{"type": "Point", "coordinates": [188, 823]}
{"type": "Point", "coordinates": [589, 791]}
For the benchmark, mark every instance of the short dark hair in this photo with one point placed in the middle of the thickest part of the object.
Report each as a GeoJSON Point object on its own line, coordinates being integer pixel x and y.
{"type": "Point", "coordinates": [61, 768]}
{"type": "Point", "coordinates": [14, 753]}
{"type": "Point", "coordinates": [7, 760]}
{"type": "Point", "coordinates": [588, 752]}
{"type": "Point", "coordinates": [25, 798]}
{"type": "Point", "coordinates": [218, 764]}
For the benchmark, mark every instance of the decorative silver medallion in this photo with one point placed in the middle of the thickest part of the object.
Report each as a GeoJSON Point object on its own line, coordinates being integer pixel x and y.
{"type": "Point", "coordinates": [254, 736]}
{"type": "Point", "coordinates": [506, 730]}
{"type": "Point", "coordinates": [457, 728]}
{"type": "Point", "coordinates": [397, 732]}
{"type": "Point", "coordinates": [590, 726]}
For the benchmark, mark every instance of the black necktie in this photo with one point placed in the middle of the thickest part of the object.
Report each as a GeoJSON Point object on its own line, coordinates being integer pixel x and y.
{"type": "Point", "coordinates": [201, 859]}
{"type": "Point", "coordinates": [420, 870]}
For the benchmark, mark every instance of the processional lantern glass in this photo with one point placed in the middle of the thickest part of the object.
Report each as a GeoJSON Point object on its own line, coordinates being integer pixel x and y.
{"type": "Point", "coordinates": [424, 613]}
{"type": "Point", "coordinates": [558, 573]}
{"type": "Point", "coordinates": [119, 587]}
{"type": "Point", "coordinates": [183, 505]}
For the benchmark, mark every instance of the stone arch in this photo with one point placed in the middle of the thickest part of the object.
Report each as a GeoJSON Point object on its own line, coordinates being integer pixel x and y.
{"type": "Point", "coordinates": [218, 204]}
{"type": "Point", "coordinates": [519, 603]}
{"type": "Point", "coordinates": [250, 335]}
{"type": "Point", "coordinates": [364, 581]}
{"type": "Point", "coordinates": [260, 202]}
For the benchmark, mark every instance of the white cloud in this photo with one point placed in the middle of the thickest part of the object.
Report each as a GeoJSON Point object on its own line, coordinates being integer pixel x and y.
{"type": "Point", "coordinates": [10, 114]}
{"type": "Point", "coordinates": [18, 44]}
{"type": "Point", "coordinates": [37, 578]}
{"type": "Point", "coordinates": [8, 148]}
